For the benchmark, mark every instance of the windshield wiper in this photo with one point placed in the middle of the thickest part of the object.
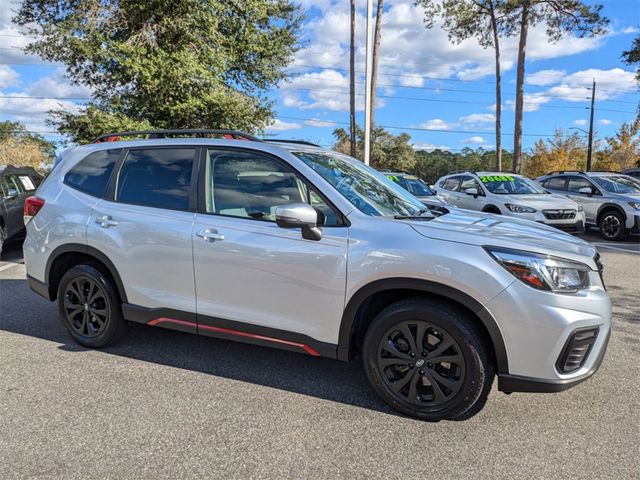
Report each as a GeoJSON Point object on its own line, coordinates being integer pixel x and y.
{"type": "Point", "coordinates": [418, 216]}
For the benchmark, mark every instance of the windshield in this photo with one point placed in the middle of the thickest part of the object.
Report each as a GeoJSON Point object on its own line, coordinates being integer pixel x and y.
{"type": "Point", "coordinates": [369, 191]}
{"type": "Point", "coordinates": [413, 185]}
{"type": "Point", "coordinates": [510, 185]}
{"type": "Point", "coordinates": [618, 184]}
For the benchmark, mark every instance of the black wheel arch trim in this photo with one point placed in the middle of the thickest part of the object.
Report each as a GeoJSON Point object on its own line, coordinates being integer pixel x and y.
{"type": "Point", "coordinates": [349, 317]}
{"type": "Point", "coordinates": [87, 250]}
{"type": "Point", "coordinates": [611, 206]}
{"type": "Point", "coordinates": [490, 209]}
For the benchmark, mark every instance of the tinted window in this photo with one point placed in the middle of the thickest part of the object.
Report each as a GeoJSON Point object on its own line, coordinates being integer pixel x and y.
{"type": "Point", "coordinates": [91, 175]}
{"type": "Point", "coordinates": [158, 178]}
{"type": "Point", "coordinates": [416, 186]}
{"type": "Point", "coordinates": [576, 183]}
{"type": "Point", "coordinates": [618, 184]}
{"type": "Point", "coordinates": [510, 185]}
{"type": "Point", "coordinates": [248, 185]}
{"type": "Point", "coordinates": [452, 183]}
{"type": "Point", "coordinates": [470, 182]}
{"type": "Point", "coordinates": [555, 183]}
{"type": "Point", "coordinates": [14, 183]}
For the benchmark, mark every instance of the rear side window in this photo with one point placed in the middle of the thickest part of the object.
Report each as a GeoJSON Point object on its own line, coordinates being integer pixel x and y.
{"type": "Point", "coordinates": [555, 183]}
{"type": "Point", "coordinates": [159, 178]}
{"type": "Point", "coordinates": [91, 175]}
{"type": "Point", "coordinates": [452, 183]}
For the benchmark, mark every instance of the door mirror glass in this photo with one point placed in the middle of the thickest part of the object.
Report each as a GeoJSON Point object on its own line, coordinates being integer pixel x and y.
{"type": "Point", "coordinates": [299, 215]}
{"type": "Point", "coordinates": [11, 194]}
{"type": "Point", "coordinates": [471, 191]}
{"type": "Point", "coordinates": [585, 190]}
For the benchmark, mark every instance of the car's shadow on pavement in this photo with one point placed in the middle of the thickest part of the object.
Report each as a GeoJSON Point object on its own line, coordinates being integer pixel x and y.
{"type": "Point", "coordinates": [23, 312]}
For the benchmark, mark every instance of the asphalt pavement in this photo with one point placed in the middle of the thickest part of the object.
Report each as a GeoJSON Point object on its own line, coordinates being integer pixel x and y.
{"type": "Point", "coordinates": [163, 404]}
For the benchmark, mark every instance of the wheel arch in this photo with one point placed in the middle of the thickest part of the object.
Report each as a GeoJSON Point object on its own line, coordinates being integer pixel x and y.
{"type": "Point", "coordinates": [377, 295]}
{"type": "Point", "coordinates": [67, 256]}
{"type": "Point", "coordinates": [491, 208]}
{"type": "Point", "coordinates": [610, 206]}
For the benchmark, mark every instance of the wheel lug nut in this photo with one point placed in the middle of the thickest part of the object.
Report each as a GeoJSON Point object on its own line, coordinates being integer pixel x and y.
{"type": "Point", "coordinates": [429, 365]}
{"type": "Point", "coordinates": [412, 354]}
{"type": "Point", "coordinates": [421, 372]}
{"type": "Point", "coordinates": [424, 354]}
{"type": "Point", "coordinates": [411, 365]}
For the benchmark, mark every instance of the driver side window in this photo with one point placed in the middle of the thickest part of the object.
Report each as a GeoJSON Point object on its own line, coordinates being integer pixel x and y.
{"type": "Point", "coordinates": [250, 185]}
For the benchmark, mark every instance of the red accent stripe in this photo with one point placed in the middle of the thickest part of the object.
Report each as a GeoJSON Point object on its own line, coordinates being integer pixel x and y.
{"type": "Point", "coordinates": [304, 347]}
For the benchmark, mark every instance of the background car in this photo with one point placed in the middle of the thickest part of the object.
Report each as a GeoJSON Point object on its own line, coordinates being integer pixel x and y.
{"type": "Point", "coordinates": [611, 201]}
{"type": "Point", "coordinates": [419, 189]}
{"type": "Point", "coordinates": [513, 195]}
{"type": "Point", "coordinates": [16, 184]}
{"type": "Point", "coordinates": [632, 172]}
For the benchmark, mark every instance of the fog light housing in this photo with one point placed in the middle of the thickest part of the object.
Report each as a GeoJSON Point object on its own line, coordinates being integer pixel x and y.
{"type": "Point", "coordinates": [576, 350]}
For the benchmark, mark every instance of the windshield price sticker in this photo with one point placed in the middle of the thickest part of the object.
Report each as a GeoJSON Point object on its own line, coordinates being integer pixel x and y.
{"type": "Point", "coordinates": [27, 183]}
{"type": "Point", "coordinates": [497, 178]}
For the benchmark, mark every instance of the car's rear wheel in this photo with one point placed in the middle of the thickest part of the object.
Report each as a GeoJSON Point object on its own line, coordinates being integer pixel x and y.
{"type": "Point", "coordinates": [2, 239]}
{"type": "Point", "coordinates": [612, 225]}
{"type": "Point", "coordinates": [90, 307]}
{"type": "Point", "coordinates": [425, 359]}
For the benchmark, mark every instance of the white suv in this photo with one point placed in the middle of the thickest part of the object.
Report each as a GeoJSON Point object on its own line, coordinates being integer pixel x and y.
{"type": "Point", "coordinates": [513, 195]}
{"type": "Point", "coordinates": [301, 248]}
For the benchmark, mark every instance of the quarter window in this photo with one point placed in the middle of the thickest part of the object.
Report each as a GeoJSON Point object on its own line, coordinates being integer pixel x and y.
{"type": "Point", "coordinates": [248, 185]}
{"type": "Point", "coordinates": [91, 175]}
{"type": "Point", "coordinates": [556, 183]}
{"type": "Point", "coordinates": [159, 178]}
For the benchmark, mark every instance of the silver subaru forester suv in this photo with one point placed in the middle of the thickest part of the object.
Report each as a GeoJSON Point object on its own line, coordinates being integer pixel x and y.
{"type": "Point", "coordinates": [305, 249]}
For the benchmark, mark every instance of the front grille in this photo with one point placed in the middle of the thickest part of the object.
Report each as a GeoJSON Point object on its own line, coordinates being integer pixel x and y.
{"type": "Point", "coordinates": [576, 350]}
{"type": "Point", "coordinates": [559, 214]}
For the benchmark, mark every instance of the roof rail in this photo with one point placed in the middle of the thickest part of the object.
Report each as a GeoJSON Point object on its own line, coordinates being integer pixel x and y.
{"type": "Point", "coordinates": [151, 134]}
{"type": "Point", "coordinates": [459, 171]}
{"type": "Point", "coordinates": [300, 142]}
{"type": "Point", "coordinates": [391, 170]}
{"type": "Point", "coordinates": [603, 171]}
{"type": "Point", "coordinates": [565, 171]}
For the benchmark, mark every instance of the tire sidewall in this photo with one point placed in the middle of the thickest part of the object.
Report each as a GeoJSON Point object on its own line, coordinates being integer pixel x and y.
{"type": "Point", "coordinates": [468, 341]}
{"type": "Point", "coordinates": [115, 322]}
{"type": "Point", "coordinates": [621, 233]}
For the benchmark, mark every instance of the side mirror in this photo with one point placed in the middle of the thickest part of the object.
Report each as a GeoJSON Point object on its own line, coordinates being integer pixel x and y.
{"type": "Point", "coordinates": [299, 215]}
{"type": "Point", "coordinates": [11, 194]}
{"type": "Point", "coordinates": [471, 191]}
{"type": "Point", "coordinates": [585, 191]}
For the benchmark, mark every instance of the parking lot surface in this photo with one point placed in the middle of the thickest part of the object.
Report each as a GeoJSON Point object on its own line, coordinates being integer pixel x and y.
{"type": "Point", "coordinates": [162, 404]}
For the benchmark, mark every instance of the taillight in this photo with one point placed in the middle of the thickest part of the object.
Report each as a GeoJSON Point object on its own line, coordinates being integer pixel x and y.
{"type": "Point", "coordinates": [32, 206]}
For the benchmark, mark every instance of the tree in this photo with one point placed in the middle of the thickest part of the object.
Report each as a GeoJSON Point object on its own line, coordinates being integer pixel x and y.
{"type": "Point", "coordinates": [560, 152]}
{"type": "Point", "coordinates": [560, 17]}
{"type": "Point", "coordinates": [180, 64]}
{"type": "Point", "coordinates": [352, 81]}
{"type": "Point", "coordinates": [622, 150]}
{"type": "Point", "coordinates": [375, 59]}
{"type": "Point", "coordinates": [22, 148]}
{"type": "Point", "coordinates": [632, 57]}
{"type": "Point", "coordinates": [483, 20]}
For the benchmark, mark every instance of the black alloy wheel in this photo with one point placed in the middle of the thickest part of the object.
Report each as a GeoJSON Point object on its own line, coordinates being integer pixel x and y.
{"type": "Point", "coordinates": [612, 226]}
{"type": "Point", "coordinates": [421, 363]}
{"type": "Point", "coordinates": [90, 307]}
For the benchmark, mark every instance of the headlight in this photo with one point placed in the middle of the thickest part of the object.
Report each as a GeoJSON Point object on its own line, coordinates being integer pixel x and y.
{"type": "Point", "coordinates": [635, 205]}
{"type": "Point", "coordinates": [543, 272]}
{"type": "Point", "coordinates": [580, 209]}
{"type": "Point", "coordinates": [519, 208]}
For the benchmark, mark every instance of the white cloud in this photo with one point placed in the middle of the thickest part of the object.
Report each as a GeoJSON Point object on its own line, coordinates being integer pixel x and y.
{"type": "Point", "coordinates": [581, 122]}
{"type": "Point", "coordinates": [476, 119]}
{"type": "Point", "coordinates": [629, 30]}
{"type": "Point", "coordinates": [435, 124]}
{"type": "Point", "coordinates": [475, 140]}
{"type": "Point", "coordinates": [605, 121]}
{"type": "Point", "coordinates": [544, 77]}
{"type": "Point", "coordinates": [319, 123]}
{"type": "Point", "coordinates": [8, 77]}
{"type": "Point", "coordinates": [429, 147]}
{"type": "Point", "coordinates": [280, 126]}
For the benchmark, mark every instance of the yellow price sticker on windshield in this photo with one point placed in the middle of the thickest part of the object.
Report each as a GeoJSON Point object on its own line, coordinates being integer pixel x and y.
{"type": "Point", "coordinates": [497, 178]}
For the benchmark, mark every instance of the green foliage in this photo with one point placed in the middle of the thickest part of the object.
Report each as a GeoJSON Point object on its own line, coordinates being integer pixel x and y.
{"type": "Point", "coordinates": [622, 150]}
{"type": "Point", "coordinates": [187, 64]}
{"type": "Point", "coordinates": [432, 165]}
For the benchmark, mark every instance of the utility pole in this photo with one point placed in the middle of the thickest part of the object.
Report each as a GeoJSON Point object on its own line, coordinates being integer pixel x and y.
{"type": "Point", "coordinates": [367, 88]}
{"type": "Point", "coordinates": [589, 148]}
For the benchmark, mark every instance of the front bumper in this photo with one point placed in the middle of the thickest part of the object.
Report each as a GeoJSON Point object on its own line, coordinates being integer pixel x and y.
{"type": "Point", "coordinates": [536, 325]}
{"type": "Point", "coordinates": [575, 224]}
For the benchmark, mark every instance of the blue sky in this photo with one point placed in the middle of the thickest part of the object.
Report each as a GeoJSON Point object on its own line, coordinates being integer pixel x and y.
{"type": "Point", "coordinates": [441, 93]}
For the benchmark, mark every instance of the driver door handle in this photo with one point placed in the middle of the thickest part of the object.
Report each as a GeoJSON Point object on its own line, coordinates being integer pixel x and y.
{"type": "Point", "coordinates": [105, 221]}
{"type": "Point", "coordinates": [210, 235]}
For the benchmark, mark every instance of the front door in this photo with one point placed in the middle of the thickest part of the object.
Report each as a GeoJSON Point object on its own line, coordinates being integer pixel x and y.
{"type": "Point", "coordinates": [257, 280]}
{"type": "Point", "coordinates": [590, 203]}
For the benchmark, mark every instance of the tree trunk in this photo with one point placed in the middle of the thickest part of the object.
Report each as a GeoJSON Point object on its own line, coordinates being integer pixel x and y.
{"type": "Point", "coordinates": [522, 48]}
{"type": "Point", "coordinates": [374, 70]}
{"type": "Point", "coordinates": [352, 82]}
{"type": "Point", "coordinates": [496, 46]}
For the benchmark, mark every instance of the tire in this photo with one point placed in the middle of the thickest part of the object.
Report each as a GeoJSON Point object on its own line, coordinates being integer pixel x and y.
{"type": "Point", "coordinates": [463, 383]}
{"type": "Point", "coordinates": [2, 240]}
{"type": "Point", "coordinates": [612, 225]}
{"type": "Point", "coordinates": [90, 307]}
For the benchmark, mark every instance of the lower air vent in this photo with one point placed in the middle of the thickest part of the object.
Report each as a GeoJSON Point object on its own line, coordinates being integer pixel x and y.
{"type": "Point", "coordinates": [576, 350]}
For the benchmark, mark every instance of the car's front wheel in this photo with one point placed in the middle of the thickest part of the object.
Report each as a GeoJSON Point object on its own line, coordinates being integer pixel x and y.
{"type": "Point", "coordinates": [90, 307]}
{"type": "Point", "coordinates": [612, 225]}
{"type": "Point", "coordinates": [426, 359]}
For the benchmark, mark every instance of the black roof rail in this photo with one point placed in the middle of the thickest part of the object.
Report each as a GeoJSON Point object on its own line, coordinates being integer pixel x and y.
{"type": "Point", "coordinates": [565, 171]}
{"type": "Point", "coordinates": [459, 171]}
{"type": "Point", "coordinates": [151, 134]}
{"type": "Point", "coordinates": [300, 142]}
{"type": "Point", "coordinates": [603, 171]}
{"type": "Point", "coordinates": [386, 170]}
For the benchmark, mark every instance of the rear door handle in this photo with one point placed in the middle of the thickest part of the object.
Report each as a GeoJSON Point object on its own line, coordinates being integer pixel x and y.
{"type": "Point", "coordinates": [210, 235]}
{"type": "Point", "coordinates": [105, 221]}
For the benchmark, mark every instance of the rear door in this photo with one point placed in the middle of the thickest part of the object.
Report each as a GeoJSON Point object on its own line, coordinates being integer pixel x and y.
{"type": "Point", "coordinates": [14, 196]}
{"type": "Point", "coordinates": [469, 201]}
{"type": "Point", "coordinates": [590, 203]}
{"type": "Point", "coordinates": [143, 225]}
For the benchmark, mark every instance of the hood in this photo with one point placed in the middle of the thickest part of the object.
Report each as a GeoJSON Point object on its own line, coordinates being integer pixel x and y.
{"type": "Point", "coordinates": [624, 197]}
{"type": "Point", "coordinates": [434, 200]}
{"type": "Point", "coordinates": [541, 201]}
{"type": "Point", "coordinates": [485, 229]}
